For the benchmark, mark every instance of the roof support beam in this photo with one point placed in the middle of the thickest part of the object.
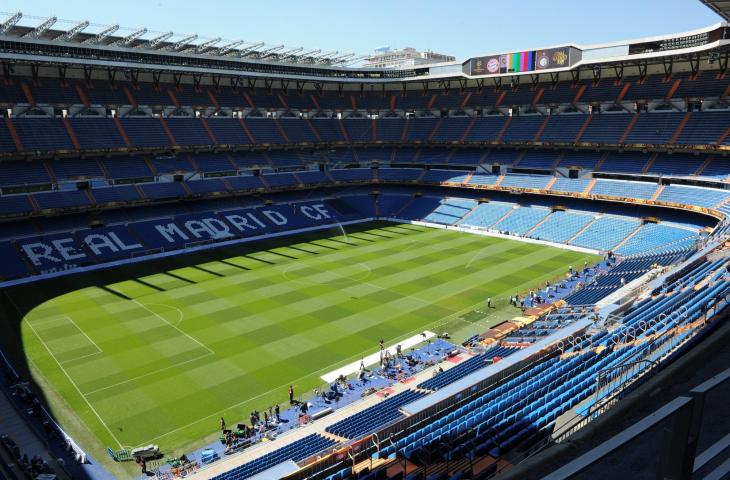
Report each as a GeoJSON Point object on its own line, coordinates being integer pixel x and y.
{"type": "Point", "coordinates": [126, 41]}
{"type": "Point", "coordinates": [182, 43]}
{"type": "Point", "coordinates": [111, 75]}
{"type": "Point", "coordinates": [576, 75]}
{"type": "Point", "coordinates": [250, 49]}
{"type": "Point", "coordinates": [618, 70]}
{"type": "Point", "coordinates": [41, 29]}
{"type": "Point", "coordinates": [206, 45]}
{"type": "Point", "coordinates": [309, 53]}
{"type": "Point", "coordinates": [723, 62]}
{"type": "Point", "coordinates": [10, 23]}
{"type": "Point", "coordinates": [596, 73]}
{"type": "Point", "coordinates": [352, 60]}
{"type": "Point", "coordinates": [555, 78]}
{"type": "Point", "coordinates": [270, 51]}
{"type": "Point", "coordinates": [156, 41]}
{"type": "Point", "coordinates": [424, 85]}
{"type": "Point", "coordinates": [101, 36]}
{"type": "Point", "coordinates": [228, 48]}
{"type": "Point", "coordinates": [88, 72]}
{"type": "Point", "coordinates": [65, 37]}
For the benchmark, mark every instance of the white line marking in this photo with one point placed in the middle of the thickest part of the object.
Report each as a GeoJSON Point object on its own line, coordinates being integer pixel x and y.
{"type": "Point", "coordinates": [66, 362]}
{"type": "Point", "coordinates": [84, 334]}
{"type": "Point", "coordinates": [173, 326]}
{"type": "Point", "coordinates": [149, 373]}
{"type": "Point", "coordinates": [66, 317]}
{"type": "Point", "coordinates": [181, 315]}
{"type": "Point", "coordinates": [430, 326]}
{"type": "Point", "coordinates": [74, 384]}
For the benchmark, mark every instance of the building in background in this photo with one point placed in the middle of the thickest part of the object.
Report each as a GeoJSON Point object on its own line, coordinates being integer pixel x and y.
{"type": "Point", "coordinates": [404, 58]}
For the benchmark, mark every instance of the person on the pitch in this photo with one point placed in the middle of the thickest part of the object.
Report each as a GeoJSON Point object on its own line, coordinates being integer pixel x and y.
{"type": "Point", "coordinates": [291, 394]}
{"type": "Point", "coordinates": [223, 424]}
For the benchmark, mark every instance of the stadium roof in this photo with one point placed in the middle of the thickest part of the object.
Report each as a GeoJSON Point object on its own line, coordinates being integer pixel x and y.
{"type": "Point", "coordinates": [55, 30]}
{"type": "Point", "coordinates": [36, 41]}
{"type": "Point", "coordinates": [721, 7]}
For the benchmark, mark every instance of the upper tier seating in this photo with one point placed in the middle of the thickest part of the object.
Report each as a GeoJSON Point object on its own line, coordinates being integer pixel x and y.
{"type": "Point", "coordinates": [486, 129]}
{"type": "Point", "coordinates": [563, 128]}
{"type": "Point", "coordinates": [526, 181]}
{"type": "Point", "coordinates": [575, 185]}
{"type": "Point", "coordinates": [22, 173]}
{"type": "Point", "coordinates": [523, 128]}
{"type": "Point", "coordinates": [228, 131]}
{"type": "Point", "coordinates": [42, 134]}
{"type": "Point", "coordinates": [96, 133]}
{"type": "Point", "coordinates": [703, 197]}
{"type": "Point", "coordinates": [705, 128]}
{"type": "Point", "coordinates": [188, 131]}
{"type": "Point", "coordinates": [606, 128]}
{"type": "Point", "coordinates": [145, 132]}
{"type": "Point", "coordinates": [654, 128]}
{"type": "Point", "coordinates": [621, 188]}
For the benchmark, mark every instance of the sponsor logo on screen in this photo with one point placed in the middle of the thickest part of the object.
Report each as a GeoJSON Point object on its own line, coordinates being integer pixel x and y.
{"type": "Point", "coordinates": [493, 65]}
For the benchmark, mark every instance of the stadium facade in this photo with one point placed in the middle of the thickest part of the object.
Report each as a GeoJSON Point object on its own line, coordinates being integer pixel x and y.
{"type": "Point", "coordinates": [118, 150]}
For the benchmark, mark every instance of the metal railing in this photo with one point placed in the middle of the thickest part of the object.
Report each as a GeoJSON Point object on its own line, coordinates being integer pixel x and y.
{"type": "Point", "coordinates": [678, 458]}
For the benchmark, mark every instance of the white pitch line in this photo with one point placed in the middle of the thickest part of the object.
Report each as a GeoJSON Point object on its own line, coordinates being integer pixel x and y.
{"type": "Point", "coordinates": [159, 370]}
{"type": "Point", "coordinates": [431, 325]}
{"type": "Point", "coordinates": [181, 315]}
{"type": "Point", "coordinates": [62, 317]}
{"type": "Point", "coordinates": [84, 334]}
{"type": "Point", "coordinates": [66, 362]}
{"type": "Point", "coordinates": [74, 384]}
{"type": "Point", "coordinates": [173, 326]}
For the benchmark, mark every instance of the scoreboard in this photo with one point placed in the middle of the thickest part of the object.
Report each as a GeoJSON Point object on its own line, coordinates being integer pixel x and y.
{"type": "Point", "coordinates": [518, 62]}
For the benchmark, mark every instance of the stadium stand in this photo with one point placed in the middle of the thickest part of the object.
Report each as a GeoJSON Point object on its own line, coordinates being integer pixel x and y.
{"type": "Point", "coordinates": [95, 169]}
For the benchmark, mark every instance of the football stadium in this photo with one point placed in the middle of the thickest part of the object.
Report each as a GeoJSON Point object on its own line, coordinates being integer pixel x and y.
{"type": "Point", "coordinates": [229, 260]}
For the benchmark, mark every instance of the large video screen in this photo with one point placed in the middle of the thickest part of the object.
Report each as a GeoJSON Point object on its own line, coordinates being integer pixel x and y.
{"type": "Point", "coordinates": [529, 61]}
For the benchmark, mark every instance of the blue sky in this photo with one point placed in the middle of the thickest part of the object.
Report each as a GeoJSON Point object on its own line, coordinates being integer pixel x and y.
{"type": "Point", "coordinates": [459, 27]}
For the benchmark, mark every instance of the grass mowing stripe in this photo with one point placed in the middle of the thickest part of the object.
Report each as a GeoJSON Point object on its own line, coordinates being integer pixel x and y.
{"type": "Point", "coordinates": [275, 317]}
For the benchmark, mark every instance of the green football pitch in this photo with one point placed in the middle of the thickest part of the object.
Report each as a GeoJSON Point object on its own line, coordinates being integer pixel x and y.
{"type": "Point", "coordinates": [158, 352]}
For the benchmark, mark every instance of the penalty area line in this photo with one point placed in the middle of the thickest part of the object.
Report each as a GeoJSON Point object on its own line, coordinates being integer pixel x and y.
{"type": "Point", "coordinates": [91, 407]}
{"type": "Point", "coordinates": [173, 326]}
